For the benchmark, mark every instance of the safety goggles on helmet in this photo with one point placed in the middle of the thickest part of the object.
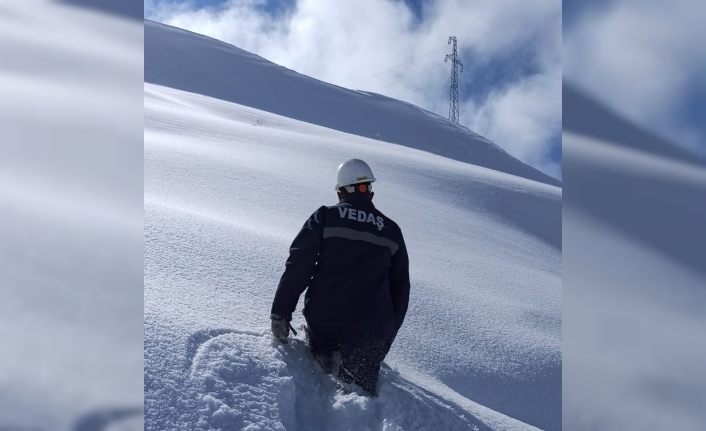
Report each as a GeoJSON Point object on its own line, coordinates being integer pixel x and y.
{"type": "Point", "coordinates": [359, 188]}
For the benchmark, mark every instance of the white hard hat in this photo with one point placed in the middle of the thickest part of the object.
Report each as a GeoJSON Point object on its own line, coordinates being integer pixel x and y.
{"type": "Point", "coordinates": [353, 171]}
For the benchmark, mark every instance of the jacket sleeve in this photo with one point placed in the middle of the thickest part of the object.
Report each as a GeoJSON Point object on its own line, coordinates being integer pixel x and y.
{"type": "Point", "coordinates": [399, 282]}
{"type": "Point", "coordinates": [300, 266]}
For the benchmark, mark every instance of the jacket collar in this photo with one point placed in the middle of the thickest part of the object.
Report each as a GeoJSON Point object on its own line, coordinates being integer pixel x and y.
{"type": "Point", "coordinates": [358, 199]}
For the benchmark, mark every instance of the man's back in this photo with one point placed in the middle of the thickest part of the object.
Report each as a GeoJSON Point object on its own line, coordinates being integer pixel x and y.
{"type": "Point", "coordinates": [360, 253]}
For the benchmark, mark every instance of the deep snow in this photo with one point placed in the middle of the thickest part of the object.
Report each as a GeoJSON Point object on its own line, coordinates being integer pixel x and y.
{"type": "Point", "coordinates": [242, 380]}
{"type": "Point", "coordinates": [227, 187]}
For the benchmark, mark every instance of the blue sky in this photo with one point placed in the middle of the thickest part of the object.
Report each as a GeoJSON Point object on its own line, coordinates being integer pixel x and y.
{"type": "Point", "coordinates": [510, 90]}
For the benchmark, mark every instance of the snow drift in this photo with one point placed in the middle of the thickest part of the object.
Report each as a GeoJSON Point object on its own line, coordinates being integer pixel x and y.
{"type": "Point", "coordinates": [227, 186]}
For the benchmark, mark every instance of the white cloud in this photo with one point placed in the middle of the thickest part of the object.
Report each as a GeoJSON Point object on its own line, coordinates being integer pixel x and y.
{"type": "Point", "coordinates": [514, 117]}
{"type": "Point", "coordinates": [379, 46]}
{"type": "Point", "coordinates": [642, 58]}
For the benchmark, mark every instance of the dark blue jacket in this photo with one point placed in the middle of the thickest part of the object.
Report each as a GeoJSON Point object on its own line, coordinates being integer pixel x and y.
{"type": "Point", "coordinates": [353, 260]}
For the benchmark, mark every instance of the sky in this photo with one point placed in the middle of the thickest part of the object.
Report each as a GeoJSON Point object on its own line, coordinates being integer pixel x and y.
{"type": "Point", "coordinates": [510, 88]}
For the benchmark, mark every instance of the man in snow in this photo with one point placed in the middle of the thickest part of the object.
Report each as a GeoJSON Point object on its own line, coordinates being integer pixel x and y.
{"type": "Point", "coordinates": [353, 263]}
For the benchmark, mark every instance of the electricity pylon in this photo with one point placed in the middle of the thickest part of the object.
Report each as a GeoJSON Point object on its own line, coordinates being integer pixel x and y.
{"type": "Point", "coordinates": [453, 90]}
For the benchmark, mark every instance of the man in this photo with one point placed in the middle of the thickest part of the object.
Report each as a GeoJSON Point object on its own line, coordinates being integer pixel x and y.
{"type": "Point", "coordinates": [353, 260]}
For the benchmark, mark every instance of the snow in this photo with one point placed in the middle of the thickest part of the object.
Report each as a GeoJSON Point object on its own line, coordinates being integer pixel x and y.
{"type": "Point", "coordinates": [227, 186]}
{"type": "Point", "coordinates": [249, 381]}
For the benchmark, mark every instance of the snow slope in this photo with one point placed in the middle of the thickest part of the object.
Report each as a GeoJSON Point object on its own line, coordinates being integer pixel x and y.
{"type": "Point", "coordinates": [180, 59]}
{"type": "Point", "coordinates": [227, 186]}
{"type": "Point", "coordinates": [226, 189]}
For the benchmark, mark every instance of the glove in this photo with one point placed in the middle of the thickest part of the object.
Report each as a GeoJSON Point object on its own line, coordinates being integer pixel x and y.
{"type": "Point", "coordinates": [280, 328]}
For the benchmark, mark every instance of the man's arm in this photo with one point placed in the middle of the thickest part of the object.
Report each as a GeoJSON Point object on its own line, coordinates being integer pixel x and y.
{"type": "Point", "coordinates": [300, 265]}
{"type": "Point", "coordinates": [399, 282]}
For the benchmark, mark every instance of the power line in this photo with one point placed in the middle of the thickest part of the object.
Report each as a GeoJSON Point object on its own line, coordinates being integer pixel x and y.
{"type": "Point", "coordinates": [396, 66]}
{"type": "Point", "coordinates": [386, 83]}
{"type": "Point", "coordinates": [537, 95]}
{"type": "Point", "coordinates": [396, 80]}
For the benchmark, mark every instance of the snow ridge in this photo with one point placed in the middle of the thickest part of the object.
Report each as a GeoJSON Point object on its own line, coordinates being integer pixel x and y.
{"type": "Point", "coordinates": [180, 59]}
